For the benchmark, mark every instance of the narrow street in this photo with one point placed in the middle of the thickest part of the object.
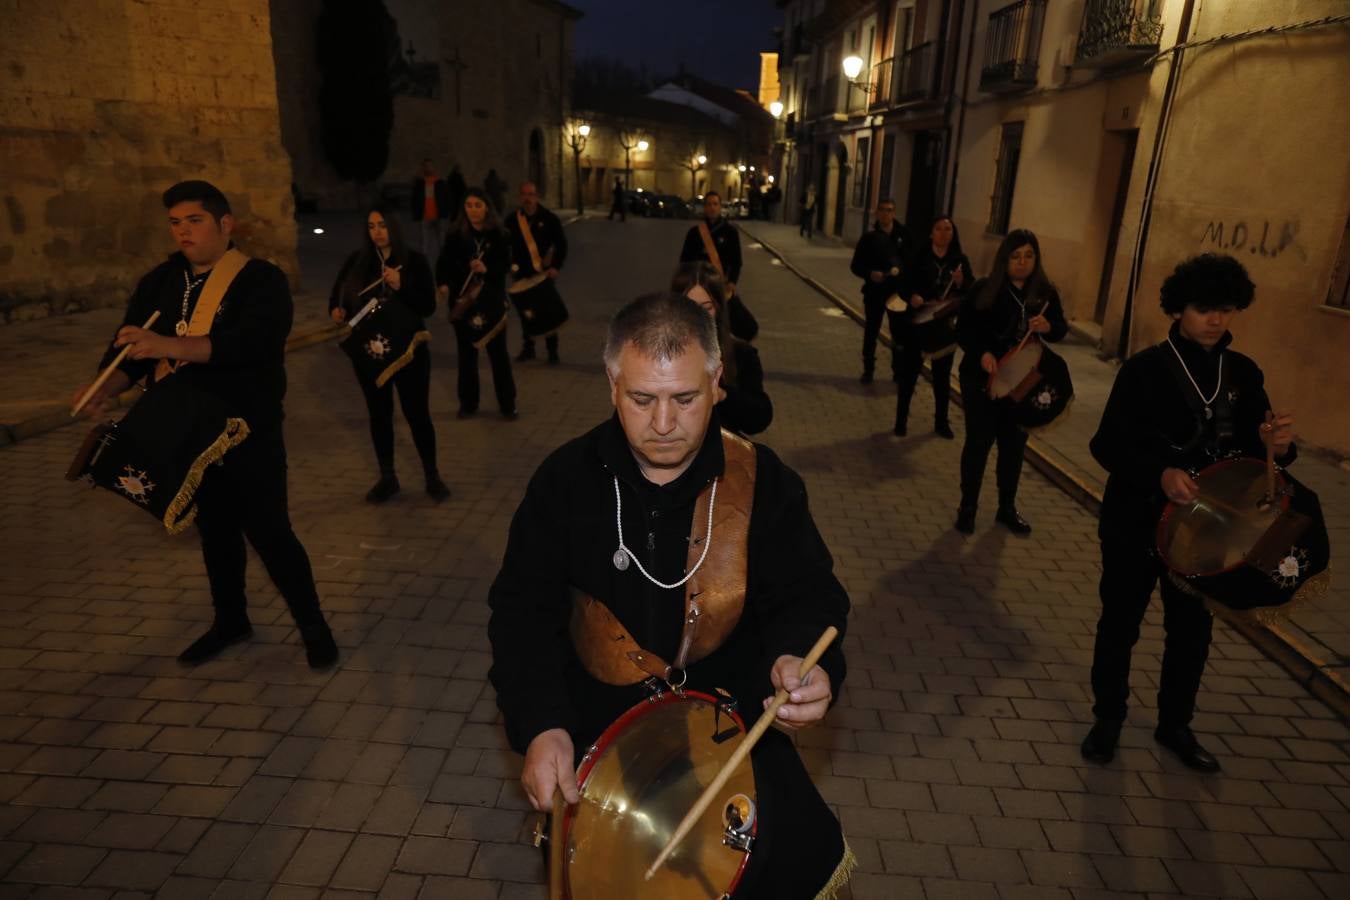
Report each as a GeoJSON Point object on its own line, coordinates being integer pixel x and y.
{"type": "Point", "coordinates": [952, 756]}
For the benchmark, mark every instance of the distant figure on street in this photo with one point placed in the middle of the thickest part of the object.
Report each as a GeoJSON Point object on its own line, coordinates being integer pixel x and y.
{"type": "Point", "coordinates": [807, 228]}
{"type": "Point", "coordinates": [496, 191]}
{"type": "Point", "coordinates": [773, 198]}
{"type": "Point", "coordinates": [881, 260]}
{"type": "Point", "coordinates": [431, 206]}
{"type": "Point", "coordinates": [717, 242]}
{"type": "Point", "coordinates": [618, 205]}
{"type": "Point", "coordinates": [538, 247]}
{"type": "Point", "coordinates": [458, 190]}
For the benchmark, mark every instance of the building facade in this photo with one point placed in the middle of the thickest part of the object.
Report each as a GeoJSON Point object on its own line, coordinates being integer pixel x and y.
{"type": "Point", "coordinates": [1128, 134]}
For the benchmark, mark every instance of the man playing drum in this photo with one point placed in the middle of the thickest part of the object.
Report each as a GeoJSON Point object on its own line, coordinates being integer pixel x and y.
{"type": "Point", "coordinates": [1174, 408]}
{"type": "Point", "coordinates": [621, 533]}
{"type": "Point", "coordinates": [235, 352]}
{"type": "Point", "coordinates": [544, 252]}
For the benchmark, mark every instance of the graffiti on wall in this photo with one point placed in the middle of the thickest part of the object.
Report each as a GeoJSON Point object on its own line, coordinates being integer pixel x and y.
{"type": "Point", "coordinates": [1260, 239]}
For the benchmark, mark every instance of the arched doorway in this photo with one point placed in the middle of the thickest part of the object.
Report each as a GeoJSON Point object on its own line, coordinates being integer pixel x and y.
{"type": "Point", "coordinates": [536, 169]}
{"type": "Point", "coordinates": [840, 189]}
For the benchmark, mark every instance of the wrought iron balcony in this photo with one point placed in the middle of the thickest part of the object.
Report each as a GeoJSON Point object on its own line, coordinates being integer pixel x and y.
{"type": "Point", "coordinates": [1118, 31]}
{"type": "Point", "coordinates": [883, 74]}
{"type": "Point", "coordinates": [918, 73]}
{"type": "Point", "coordinates": [1012, 47]}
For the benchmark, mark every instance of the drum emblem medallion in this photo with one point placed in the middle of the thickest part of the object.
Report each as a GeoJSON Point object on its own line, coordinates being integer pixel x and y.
{"type": "Point", "coordinates": [135, 484]}
{"type": "Point", "coordinates": [1287, 573]}
{"type": "Point", "coordinates": [528, 314]}
{"type": "Point", "coordinates": [478, 322]}
{"type": "Point", "coordinates": [378, 347]}
{"type": "Point", "coordinates": [1044, 398]}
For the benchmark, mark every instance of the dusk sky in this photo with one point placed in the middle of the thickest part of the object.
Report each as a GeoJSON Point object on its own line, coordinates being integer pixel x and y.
{"type": "Point", "coordinates": [719, 40]}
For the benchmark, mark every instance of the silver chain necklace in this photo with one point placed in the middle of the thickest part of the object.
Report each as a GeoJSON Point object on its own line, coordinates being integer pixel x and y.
{"type": "Point", "coordinates": [1208, 401]}
{"type": "Point", "coordinates": [623, 555]}
{"type": "Point", "coordinates": [189, 284]}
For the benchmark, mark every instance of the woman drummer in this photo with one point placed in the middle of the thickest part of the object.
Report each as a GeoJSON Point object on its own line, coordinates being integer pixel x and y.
{"type": "Point", "coordinates": [406, 278]}
{"type": "Point", "coordinates": [478, 245]}
{"type": "Point", "coordinates": [1016, 298]}
{"type": "Point", "coordinates": [937, 271]}
{"type": "Point", "coordinates": [745, 407]}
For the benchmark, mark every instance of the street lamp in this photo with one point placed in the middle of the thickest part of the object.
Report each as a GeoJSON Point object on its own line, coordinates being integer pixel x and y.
{"type": "Point", "coordinates": [853, 67]}
{"type": "Point", "coordinates": [576, 139]}
{"type": "Point", "coordinates": [642, 146]}
{"type": "Point", "coordinates": [628, 140]}
{"type": "Point", "coordinates": [702, 160]}
{"type": "Point", "coordinates": [741, 167]}
{"type": "Point", "coordinates": [776, 109]}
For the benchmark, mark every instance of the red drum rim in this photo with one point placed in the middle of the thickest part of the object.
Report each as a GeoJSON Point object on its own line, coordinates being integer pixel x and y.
{"type": "Point", "coordinates": [1172, 508]}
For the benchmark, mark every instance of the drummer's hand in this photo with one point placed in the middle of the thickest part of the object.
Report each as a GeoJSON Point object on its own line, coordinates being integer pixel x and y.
{"type": "Point", "coordinates": [548, 765]}
{"type": "Point", "coordinates": [876, 277]}
{"type": "Point", "coordinates": [551, 272]}
{"type": "Point", "coordinates": [101, 402]}
{"type": "Point", "coordinates": [808, 700]}
{"type": "Point", "coordinates": [144, 344]}
{"type": "Point", "coordinates": [1283, 432]}
{"type": "Point", "coordinates": [1039, 324]}
{"type": "Point", "coordinates": [916, 301]}
{"type": "Point", "coordinates": [1179, 486]}
{"type": "Point", "coordinates": [442, 292]}
{"type": "Point", "coordinates": [958, 276]}
{"type": "Point", "coordinates": [393, 278]}
{"type": "Point", "coordinates": [338, 314]}
{"type": "Point", "coordinates": [477, 266]}
{"type": "Point", "coordinates": [989, 363]}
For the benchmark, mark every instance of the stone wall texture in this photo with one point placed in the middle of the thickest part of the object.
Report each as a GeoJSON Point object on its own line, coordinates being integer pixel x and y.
{"type": "Point", "coordinates": [104, 104]}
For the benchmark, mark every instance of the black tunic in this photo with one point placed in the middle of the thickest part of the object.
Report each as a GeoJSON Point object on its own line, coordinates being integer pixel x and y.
{"type": "Point", "coordinates": [1002, 326]}
{"type": "Point", "coordinates": [564, 536]}
{"type": "Point", "coordinates": [248, 337]}
{"type": "Point", "coordinates": [747, 408]}
{"type": "Point", "coordinates": [548, 233]}
{"type": "Point", "coordinates": [416, 290]}
{"type": "Point", "coordinates": [881, 251]}
{"type": "Point", "coordinates": [1148, 425]}
{"type": "Point", "coordinates": [726, 239]}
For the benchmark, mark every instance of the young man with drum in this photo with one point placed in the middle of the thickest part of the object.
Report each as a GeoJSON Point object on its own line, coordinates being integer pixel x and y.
{"type": "Point", "coordinates": [236, 353]}
{"type": "Point", "coordinates": [1174, 408]}
{"type": "Point", "coordinates": [538, 247]}
{"type": "Point", "coordinates": [657, 536]}
{"type": "Point", "coordinates": [881, 260]}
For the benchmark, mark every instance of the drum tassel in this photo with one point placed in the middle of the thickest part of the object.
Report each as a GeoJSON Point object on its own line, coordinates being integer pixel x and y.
{"type": "Point", "coordinates": [236, 430]}
{"type": "Point", "coordinates": [843, 873]}
{"type": "Point", "coordinates": [393, 369]}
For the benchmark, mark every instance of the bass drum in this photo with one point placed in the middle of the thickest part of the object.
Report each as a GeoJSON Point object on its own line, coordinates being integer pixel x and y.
{"type": "Point", "coordinates": [637, 783]}
{"type": "Point", "coordinates": [1035, 381]}
{"type": "Point", "coordinates": [541, 308]}
{"type": "Point", "coordinates": [484, 317]}
{"type": "Point", "coordinates": [384, 341]}
{"type": "Point", "coordinates": [1234, 548]}
{"type": "Point", "coordinates": [934, 326]}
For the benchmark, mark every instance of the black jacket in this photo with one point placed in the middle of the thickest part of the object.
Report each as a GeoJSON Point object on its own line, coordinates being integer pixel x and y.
{"type": "Point", "coordinates": [548, 233]}
{"type": "Point", "coordinates": [726, 239]}
{"type": "Point", "coordinates": [1148, 425]}
{"type": "Point", "coordinates": [1002, 326]}
{"type": "Point", "coordinates": [747, 408]}
{"type": "Point", "coordinates": [444, 208]}
{"type": "Point", "coordinates": [880, 251]}
{"type": "Point", "coordinates": [248, 338]}
{"type": "Point", "coordinates": [928, 274]}
{"type": "Point", "coordinates": [416, 290]}
{"type": "Point", "coordinates": [452, 266]}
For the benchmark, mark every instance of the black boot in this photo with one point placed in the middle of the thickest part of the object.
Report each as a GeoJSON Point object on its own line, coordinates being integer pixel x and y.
{"type": "Point", "coordinates": [385, 488]}
{"type": "Point", "coordinates": [320, 649]}
{"type": "Point", "coordinates": [436, 488]}
{"type": "Point", "coordinates": [866, 377]}
{"type": "Point", "coordinates": [944, 430]}
{"type": "Point", "coordinates": [1100, 744]}
{"type": "Point", "coordinates": [1181, 741]}
{"type": "Point", "coordinates": [965, 519]}
{"type": "Point", "coordinates": [220, 635]}
{"type": "Point", "coordinates": [1012, 519]}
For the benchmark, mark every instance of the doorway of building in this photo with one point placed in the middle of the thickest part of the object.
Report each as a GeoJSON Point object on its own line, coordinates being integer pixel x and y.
{"type": "Point", "coordinates": [921, 205]}
{"type": "Point", "coordinates": [1121, 145]}
{"type": "Point", "coordinates": [840, 189]}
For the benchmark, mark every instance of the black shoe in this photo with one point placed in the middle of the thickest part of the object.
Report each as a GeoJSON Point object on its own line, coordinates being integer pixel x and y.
{"type": "Point", "coordinates": [217, 638]}
{"type": "Point", "coordinates": [944, 430]}
{"type": "Point", "coordinates": [466, 413]}
{"type": "Point", "coordinates": [436, 489]}
{"type": "Point", "coordinates": [1100, 744]}
{"type": "Point", "coordinates": [866, 377]}
{"type": "Point", "coordinates": [1010, 517]}
{"type": "Point", "coordinates": [965, 519]}
{"type": "Point", "coordinates": [900, 430]}
{"type": "Point", "coordinates": [320, 649]}
{"type": "Point", "coordinates": [526, 354]}
{"type": "Point", "coordinates": [1181, 741]}
{"type": "Point", "coordinates": [385, 488]}
{"type": "Point", "coordinates": [511, 415]}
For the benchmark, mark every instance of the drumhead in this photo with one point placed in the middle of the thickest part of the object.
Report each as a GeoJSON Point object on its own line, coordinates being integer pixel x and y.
{"type": "Point", "coordinates": [895, 304]}
{"type": "Point", "coordinates": [637, 783]}
{"type": "Point", "coordinates": [521, 285]}
{"type": "Point", "coordinates": [1013, 368]}
{"type": "Point", "coordinates": [1215, 532]}
{"type": "Point", "coordinates": [935, 309]}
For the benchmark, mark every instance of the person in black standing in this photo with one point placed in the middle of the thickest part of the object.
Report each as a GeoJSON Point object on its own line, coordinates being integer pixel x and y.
{"type": "Point", "coordinates": [406, 279]}
{"type": "Point", "coordinates": [881, 260]}
{"type": "Point", "coordinates": [430, 206]}
{"type": "Point", "coordinates": [714, 240]}
{"type": "Point", "coordinates": [550, 241]}
{"type": "Point", "coordinates": [618, 206]}
{"type": "Point", "coordinates": [496, 191]}
{"type": "Point", "coordinates": [458, 190]}
{"type": "Point", "coordinates": [478, 245]}
{"type": "Point", "coordinates": [938, 270]}
{"type": "Point", "coordinates": [239, 358]}
{"type": "Point", "coordinates": [1017, 297]}
{"type": "Point", "coordinates": [1174, 408]}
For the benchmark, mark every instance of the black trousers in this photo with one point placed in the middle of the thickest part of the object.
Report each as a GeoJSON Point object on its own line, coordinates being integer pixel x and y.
{"type": "Point", "coordinates": [413, 383]}
{"type": "Point", "coordinates": [987, 423]}
{"type": "Point", "coordinates": [874, 310]}
{"type": "Point", "coordinates": [551, 342]}
{"type": "Point", "coordinates": [909, 367]}
{"type": "Point", "coordinates": [246, 498]}
{"type": "Point", "coordinates": [618, 207]}
{"type": "Point", "coordinates": [1129, 572]}
{"type": "Point", "coordinates": [502, 381]}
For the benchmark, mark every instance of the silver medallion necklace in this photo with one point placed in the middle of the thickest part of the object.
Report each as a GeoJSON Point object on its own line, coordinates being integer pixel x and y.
{"type": "Point", "coordinates": [189, 285]}
{"type": "Point", "coordinates": [1208, 401]}
{"type": "Point", "coordinates": [623, 556]}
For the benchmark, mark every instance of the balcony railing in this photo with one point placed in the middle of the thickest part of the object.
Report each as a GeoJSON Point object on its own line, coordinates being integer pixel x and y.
{"type": "Point", "coordinates": [883, 74]}
{"type": "Point", "coordinates": [1118, 31]}
{"type": "Point", "coordinates": [918, 73]}
{"type": "Point", "coordinates": [1012, 47]}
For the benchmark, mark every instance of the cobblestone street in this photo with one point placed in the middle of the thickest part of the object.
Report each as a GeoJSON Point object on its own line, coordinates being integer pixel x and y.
{"type": "Point", "coordinates": [951, 757]}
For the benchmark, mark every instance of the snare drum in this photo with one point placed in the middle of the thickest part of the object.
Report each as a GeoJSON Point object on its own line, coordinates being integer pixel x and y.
{"type": "Point", "coordinates": [158, 454]}
{"type": "Point", "coordinates": [1035, 381]}
{"type": "Point", "coordinates": [637, 783]}
{"type": "Point", "coordinates": [1234, 547]}
{"type": "Point", "coordinates": [934, 326]}
{"type": "Point", "coordinates": [384, 341]}
{"type": "Point", "coordinates": [541, 308]}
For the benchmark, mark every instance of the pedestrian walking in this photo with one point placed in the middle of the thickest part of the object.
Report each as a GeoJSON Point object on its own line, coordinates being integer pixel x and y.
{"type": "Point", "coordinates": [1174, 408]}
{"type": "Point", "coordinates": [619, 205]}
{"type": "Point", "coordinates": [807, 227]}
{"type": "Point", "coordinates": [881, 260]}
{"type": "Point", "coordinates": [431, 207]}
{"type": "Point", "coordinates": [471, 275]}
{"type": "Point", "coordinates": [1016, 298]}
{"type": "Point", "coordinates": [390, 353]}
{"type": "Point", "coordinates": [538, 248]}
{"type": "Point", "coordinates": [496, 191]}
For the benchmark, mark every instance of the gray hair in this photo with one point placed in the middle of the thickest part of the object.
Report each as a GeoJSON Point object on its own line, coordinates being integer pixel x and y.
{"type": "Point", "coordinates": [661, 327]}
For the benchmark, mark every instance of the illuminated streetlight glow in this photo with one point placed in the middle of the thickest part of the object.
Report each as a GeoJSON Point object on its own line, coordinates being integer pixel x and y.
{"type": "Point", "coordinates": [776, 109]}
{"type": "Point", "coordinates": [740, 168]}
{"type": "Point", "coordinates": [318, 231]}
{"type": "Point", "coordinates": [702, 159]}
{"type": "Point", "coordinates": [752, 168]}
{"type": "Point", "coordinates": [642, 146]}
{"type": "Point", "coordinates": [853, 67]}
{"type": "Point", "coordinates": [584, 130]}
{"type": "Point", "coordinates": [770, 179]}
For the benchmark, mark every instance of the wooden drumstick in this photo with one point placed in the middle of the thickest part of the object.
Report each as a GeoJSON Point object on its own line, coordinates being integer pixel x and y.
{"type": "Point", "coordinates": [377, 282]}
{"type": "Point", "coordinates": [104, 375]}
{"type": "Point", "coordinates": [1269, 434]}
{"type": "Point", "coordinates": [555, 847]}
{"type": "Point", "coordinates": [747, 744]}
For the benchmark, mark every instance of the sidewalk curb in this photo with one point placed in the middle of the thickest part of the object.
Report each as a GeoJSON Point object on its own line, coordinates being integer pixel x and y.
{"type": "Point", "coordinates": [1306, 667]}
